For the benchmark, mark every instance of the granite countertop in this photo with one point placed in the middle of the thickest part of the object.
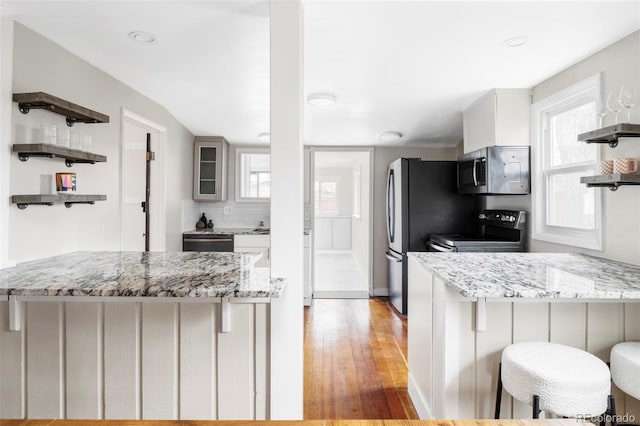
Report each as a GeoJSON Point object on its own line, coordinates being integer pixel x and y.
{"type": "Point", "coordinates": [534, 275]}
{"type": "Point", "coordinates": [132, 274]}
{"type": "Point", "coordinates": [234, 231]}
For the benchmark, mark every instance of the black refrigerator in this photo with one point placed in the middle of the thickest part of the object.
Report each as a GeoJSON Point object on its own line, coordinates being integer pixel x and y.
{"type": "Point", "coordinates": [421, 199]}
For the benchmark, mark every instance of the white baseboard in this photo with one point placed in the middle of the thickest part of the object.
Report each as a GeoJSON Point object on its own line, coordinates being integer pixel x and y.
{"type": "Point", "coordinates": [418, 399]}
{"type": "Point", "coordinates": [307, 301]}
{"type": "Point", "coordinates": [341, 294]}
{"type": "Point", "coordinates": [381, 292]}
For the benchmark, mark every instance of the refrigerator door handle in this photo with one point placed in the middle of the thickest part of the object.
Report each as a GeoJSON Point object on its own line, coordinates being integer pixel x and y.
{"type": "Point", "coordinates": [391, 206]}
{"type": "Point", "coordinates": [392, 257]}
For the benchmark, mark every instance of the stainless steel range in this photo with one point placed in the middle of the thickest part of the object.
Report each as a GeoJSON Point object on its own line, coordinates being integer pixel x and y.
{"type": "Point", "coordinates": [502, 231]}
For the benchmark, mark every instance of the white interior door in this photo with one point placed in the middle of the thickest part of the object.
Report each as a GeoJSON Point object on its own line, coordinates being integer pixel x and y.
{"type": "Point", "coordinates": [134, 148]}
{"type": "Point", "coordinates": [134, 184]}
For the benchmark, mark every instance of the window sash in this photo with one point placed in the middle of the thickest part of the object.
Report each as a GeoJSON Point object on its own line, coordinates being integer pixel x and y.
{"type": "Point", "coordinates": [578, 95]}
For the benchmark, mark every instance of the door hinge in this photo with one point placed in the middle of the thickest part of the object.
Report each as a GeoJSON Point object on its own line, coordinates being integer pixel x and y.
{"type": "Point", "coordinates": [151, 155]}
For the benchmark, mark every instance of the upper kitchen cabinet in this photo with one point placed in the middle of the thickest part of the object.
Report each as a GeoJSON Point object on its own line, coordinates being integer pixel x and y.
{"type": "Point", "coordinates": [210, 157]}
{"type": "Point", "coordinates": [501, 117]}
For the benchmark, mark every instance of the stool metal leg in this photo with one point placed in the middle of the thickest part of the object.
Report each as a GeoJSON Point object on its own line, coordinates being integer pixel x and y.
{"type": "Point", "coordinates": [611, 410]}
{"type": "Point", "coordinates": [499, 392]}
{"type": "Point", "coordinates": [536, 407]}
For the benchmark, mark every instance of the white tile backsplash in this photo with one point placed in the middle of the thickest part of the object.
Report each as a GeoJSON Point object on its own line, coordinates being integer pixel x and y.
{"type": "Point", "coordinates": [244, 215]}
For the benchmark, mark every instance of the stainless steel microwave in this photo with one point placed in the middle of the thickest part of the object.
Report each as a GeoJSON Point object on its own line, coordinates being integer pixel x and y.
{"type": "Point", "coordinates": [495, 170]}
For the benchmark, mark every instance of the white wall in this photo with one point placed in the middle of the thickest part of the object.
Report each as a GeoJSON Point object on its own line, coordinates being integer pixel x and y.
{"type": "Point", "coordinates": [384, 156]}
{"type": "Point", "coordinates": [619, 64]}
{"type": "Point", "coordinates": [38, 231]}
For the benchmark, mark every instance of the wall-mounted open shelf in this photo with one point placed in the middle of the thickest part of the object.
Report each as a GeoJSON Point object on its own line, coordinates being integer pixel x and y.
{"type": "Point", "coordinates": [612, 181]}
{"type": "Point", "coordinates": [26, 150]}
{"type": "Point", "coordinates": [611, 134]}
{"type": "Point", "coordinates": [23, 201]}
{"type": "Point", "coordinates": [74, 113]}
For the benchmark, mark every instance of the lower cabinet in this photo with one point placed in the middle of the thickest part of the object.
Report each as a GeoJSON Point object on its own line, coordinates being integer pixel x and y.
{"type": "Point", "coordinates": [255, 244]}
{"type": "Point", "coordinates": [333, 233]}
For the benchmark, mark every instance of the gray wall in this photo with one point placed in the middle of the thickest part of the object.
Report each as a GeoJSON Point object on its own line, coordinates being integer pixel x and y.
{"type": "Point", "coordinates": [38, 231]}
{"type": "Point", "coordinates": [619, 64]}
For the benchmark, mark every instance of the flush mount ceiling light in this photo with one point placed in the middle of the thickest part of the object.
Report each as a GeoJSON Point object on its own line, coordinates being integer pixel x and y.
{"type": "Point", "coordinates": [389, 136]}
{"type": "Point", "coordinates": [264, 137]}
{"type": "Point", "coordinates": [321, 99]}
{"type": "Point", "coordinates": [143, 37]}
{"type": "Point", "coordinates": [516, 41]}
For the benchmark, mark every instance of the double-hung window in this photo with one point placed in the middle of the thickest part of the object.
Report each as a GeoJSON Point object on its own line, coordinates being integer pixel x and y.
{"type": "Point", "coordinates": [564, 210]}
{"type": "Point", "coordinates": [253, 174]}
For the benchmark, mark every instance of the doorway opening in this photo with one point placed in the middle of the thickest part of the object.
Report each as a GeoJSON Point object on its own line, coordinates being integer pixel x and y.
{"type": "Point", "coordinates": [134, 183]}
{"type": "Point", "coordinates": [342, 223]}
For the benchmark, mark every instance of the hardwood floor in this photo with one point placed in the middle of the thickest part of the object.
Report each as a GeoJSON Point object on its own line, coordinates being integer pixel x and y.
{"type": "Point", "coordinates": [355, 361]}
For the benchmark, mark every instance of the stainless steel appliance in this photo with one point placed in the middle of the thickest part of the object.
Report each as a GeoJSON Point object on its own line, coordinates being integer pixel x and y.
{"type": "Point", "coordinates": [207, 242]}
{"type": "Point", "coordinates": [501, 231]}
{"type": "Point", "coordinates": [421, 199]}
{"type": "Point", "coordinates": [495, 170]}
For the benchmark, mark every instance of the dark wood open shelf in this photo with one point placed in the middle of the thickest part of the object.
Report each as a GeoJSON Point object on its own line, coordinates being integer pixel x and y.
{"type": "Point", "coordinates": [611, 134]}
{"type": "Point", "coordinates": [50, 199]}
{"type": "Point", "coordinates": [612, 181]}
{"type": "Point", "coordinates": [74, 113]}
{"type": "Point", "coordinates": [26, 150]}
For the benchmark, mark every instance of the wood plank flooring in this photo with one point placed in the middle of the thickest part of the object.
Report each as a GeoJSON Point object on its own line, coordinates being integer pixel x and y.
{"type": "Point", "coordinates": [50, 422]}
{"type": "Point", "coordinates": [355, 361]}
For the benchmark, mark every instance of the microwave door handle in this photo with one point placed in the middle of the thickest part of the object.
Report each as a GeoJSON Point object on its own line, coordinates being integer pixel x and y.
{"type": "Point", "coordinates": [475, 176]}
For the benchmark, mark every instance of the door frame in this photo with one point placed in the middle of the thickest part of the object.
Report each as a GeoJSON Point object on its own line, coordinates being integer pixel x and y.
{"type": "Point", "coordinates": [158, 208]}
{"type": "Point", "coordinates": [312, 178]}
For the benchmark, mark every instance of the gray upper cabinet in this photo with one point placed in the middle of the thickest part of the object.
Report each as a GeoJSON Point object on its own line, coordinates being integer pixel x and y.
{"type": "Point", "coordinates": [210, 156]}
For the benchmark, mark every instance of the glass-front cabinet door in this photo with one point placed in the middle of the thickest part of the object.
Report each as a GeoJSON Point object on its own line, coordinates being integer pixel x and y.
{"type": "Point", "coordinates": [210, 168]}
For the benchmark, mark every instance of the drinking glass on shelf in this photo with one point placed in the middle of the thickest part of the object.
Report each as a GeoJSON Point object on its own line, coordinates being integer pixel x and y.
{"type": "Point", "coordinates": [87, 143]}
{"type": "Point", "coordinates": [601, 112]}
{"type": "Point", "coordinates": [75, 140]}
{"type": "Point", "coordinates": [613, 105]}
{"type": "Point", "coordinates": [627, 99]}
{"type": "Point", "coordinates": [63, 137]}
{"type": "Point", "coordinates": [48, 133]}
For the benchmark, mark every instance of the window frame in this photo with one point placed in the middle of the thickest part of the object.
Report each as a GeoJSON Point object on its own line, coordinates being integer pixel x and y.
{"type": "Point", "coordinates": [585, 91]}
{"type": "Point", "coordinates": [238, 174]}
{"type": "Point", "coordinates": [319, 181]}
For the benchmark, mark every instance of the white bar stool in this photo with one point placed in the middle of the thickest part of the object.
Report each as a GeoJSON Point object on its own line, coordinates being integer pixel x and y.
{"type": "Point", "coordinates": [625, 367]}
{"type": "Point", "coordinates": [556, 379]}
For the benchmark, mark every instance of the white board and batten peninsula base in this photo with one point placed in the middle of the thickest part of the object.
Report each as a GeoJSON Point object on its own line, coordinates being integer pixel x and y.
{"type": "Point", "coordinates": [131, 335]}
{"type": "Point", "coordinates": [465, 308]}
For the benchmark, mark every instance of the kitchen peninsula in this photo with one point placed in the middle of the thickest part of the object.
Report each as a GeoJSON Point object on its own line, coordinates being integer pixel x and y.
{"type": "Point", "coordinates": [464, 308]}
{"type": "Point", "coordinates": [136, 335]}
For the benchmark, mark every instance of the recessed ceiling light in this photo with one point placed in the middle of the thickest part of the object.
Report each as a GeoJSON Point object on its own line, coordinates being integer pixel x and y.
{"type": "Point", "coordinates": [143, 37]}
{"type": "Point", "coordinates": [264, 137]}
{"type": "Point", "coordinates": [516, 41]}
{"type": "Point", "coordinates": [389, 136]}
{"type": "Point", "coordinates": [321, 99]}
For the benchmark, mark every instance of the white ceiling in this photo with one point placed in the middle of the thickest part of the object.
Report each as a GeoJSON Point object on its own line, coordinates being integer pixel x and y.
{"type": "Point", "coordinates": [407, 66]}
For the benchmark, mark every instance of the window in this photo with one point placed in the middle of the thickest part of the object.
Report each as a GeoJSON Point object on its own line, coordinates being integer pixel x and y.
{"type": "Point", "coordinates": [564, 210]}
{"type": "Point", "coordinates": [253, 174]}
{"type": "Point", "coordinates": [326, 197]}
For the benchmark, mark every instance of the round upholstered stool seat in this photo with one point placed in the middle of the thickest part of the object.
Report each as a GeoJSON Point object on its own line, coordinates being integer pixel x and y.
{"type": "Point", "coordinates": [625, 367]}
{"type": "Point", "coordinates": [568, 381]}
